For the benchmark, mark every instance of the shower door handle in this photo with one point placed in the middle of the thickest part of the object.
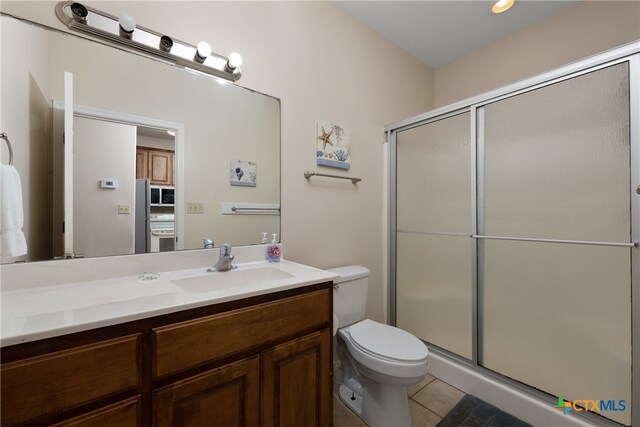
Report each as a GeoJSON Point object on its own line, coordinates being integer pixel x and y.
{"type": "Point", "coordinates": [571, 242]}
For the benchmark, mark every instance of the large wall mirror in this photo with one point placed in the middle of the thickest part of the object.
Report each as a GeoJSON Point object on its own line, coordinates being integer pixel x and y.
{"type": "Point", "coordinates": [162, 156]}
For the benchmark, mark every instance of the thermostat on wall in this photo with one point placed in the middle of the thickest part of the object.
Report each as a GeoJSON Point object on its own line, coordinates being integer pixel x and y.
{"type": "Point", "coordinates": [109, 183]}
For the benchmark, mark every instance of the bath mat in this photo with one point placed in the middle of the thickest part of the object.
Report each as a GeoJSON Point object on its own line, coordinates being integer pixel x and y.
{"type": "Point", "coordinates": [473, 412]}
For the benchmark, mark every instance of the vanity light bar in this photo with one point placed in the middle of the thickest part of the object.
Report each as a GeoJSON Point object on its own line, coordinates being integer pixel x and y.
{"type": "Point", "coordinates": [88, 20]}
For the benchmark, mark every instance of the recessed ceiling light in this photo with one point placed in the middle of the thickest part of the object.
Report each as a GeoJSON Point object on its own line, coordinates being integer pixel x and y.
{"type": "Point", "coordinates": [502, 6]}
{"type": "Point", "coordinates": [171, 132]}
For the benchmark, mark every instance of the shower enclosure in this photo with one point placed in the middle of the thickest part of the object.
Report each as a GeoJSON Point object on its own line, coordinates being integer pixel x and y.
{"type": "Point", "coordinates": [514, 227]}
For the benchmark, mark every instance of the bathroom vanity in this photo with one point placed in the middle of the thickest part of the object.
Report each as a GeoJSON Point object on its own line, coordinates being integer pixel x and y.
{"type": "Point", "coordinates": [253, 354]}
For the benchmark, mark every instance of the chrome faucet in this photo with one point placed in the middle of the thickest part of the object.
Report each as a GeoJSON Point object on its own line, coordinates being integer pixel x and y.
{"type": "Point", "coordinates": [224, 261]}
{"type": "Point", "coordinates": [208, 243]}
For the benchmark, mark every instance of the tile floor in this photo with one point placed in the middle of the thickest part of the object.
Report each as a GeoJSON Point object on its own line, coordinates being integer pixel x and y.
{"type": "Point", "coordinates": [430, 400]}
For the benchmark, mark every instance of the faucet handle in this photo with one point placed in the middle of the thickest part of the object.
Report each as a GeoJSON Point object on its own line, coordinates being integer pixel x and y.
{"type": "Point", "coordinates": [225, 250]}
{"type": "Point", "coordinates": [208, 243]}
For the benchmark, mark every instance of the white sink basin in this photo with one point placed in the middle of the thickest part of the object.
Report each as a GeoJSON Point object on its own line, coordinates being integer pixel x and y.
{"type": "Point", "coordinates": [221, 280]}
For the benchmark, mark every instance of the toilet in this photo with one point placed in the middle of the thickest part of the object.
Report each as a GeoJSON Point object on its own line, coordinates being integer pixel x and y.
{"type": "Point", "coordinates": [378, 361]}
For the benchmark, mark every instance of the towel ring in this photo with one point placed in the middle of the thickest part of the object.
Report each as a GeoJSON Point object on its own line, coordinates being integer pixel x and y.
{"type": "Point", "coordinates": [6, 139]}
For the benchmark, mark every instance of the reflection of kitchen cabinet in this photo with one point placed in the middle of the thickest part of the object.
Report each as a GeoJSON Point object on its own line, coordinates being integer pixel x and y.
{"type": "Point", "coordinates": [155, 165]}
{"type": "Point", "coordinates": [142, 163]}
{"type": "Point", "coordinates": [264, 360]}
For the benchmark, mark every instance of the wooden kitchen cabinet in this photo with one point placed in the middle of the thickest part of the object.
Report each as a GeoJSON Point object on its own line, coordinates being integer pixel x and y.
{"type": "Point", "coordinates": [142, 163]}
{"type": "Point", "coordinates": [264, 360]}
{"type": "Point", "coordinates": [155, 165]}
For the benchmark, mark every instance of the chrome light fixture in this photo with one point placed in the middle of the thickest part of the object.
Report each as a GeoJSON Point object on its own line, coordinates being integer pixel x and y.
{"type": "Point", "coordinates": [123, 32]}
{"type": "Point", "coordinates": [166, 43]}
{"type": "Point", "coordinates": [79, 13]}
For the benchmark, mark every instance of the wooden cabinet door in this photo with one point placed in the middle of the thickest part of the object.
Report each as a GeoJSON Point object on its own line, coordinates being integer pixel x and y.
{"type": "Point", "coordinates": [142, 164]}
{"type": "Point", "coordinates": [296, 383]}
{"type": "Point", "coordinates": [161, 167]}
{"type": "Point", "coordinates": [225, 396]}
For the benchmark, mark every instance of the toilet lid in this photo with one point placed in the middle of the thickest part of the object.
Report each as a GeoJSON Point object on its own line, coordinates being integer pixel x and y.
{"type": "Point", "coordinates": [387, 341]}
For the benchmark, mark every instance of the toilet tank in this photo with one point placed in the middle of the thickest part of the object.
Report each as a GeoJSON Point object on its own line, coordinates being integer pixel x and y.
{"type": "Point", "coordinates": [350, 294]}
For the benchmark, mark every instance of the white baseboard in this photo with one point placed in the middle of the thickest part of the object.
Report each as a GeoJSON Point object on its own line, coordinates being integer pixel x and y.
{"type": "Point", "coordinates": [513, 401]}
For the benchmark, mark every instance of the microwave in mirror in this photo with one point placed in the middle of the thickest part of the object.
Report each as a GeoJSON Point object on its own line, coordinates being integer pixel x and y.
{"type": "Point", "coordinates": [161, 195]}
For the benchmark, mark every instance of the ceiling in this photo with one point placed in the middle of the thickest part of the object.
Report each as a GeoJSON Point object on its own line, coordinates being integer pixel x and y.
{"type": "Point", "coordinates": [439, 32]}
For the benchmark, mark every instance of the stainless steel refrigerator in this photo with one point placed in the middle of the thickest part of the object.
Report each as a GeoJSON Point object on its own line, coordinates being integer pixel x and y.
{"type": "Point", "coordinates": [143, 207]}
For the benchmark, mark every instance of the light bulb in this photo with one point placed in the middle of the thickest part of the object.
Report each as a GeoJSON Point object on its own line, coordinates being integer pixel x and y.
{"type": "Point", "coordinates": [502, 6]}
{"type": "Point", "coordinates": [235, 60]}
{"type": "Point", "coordinates": [202, 52]}
{"type": "Point", "coordinates": [127, 23]}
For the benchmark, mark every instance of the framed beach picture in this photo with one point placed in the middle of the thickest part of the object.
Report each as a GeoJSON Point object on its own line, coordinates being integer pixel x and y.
{"type": "Point", "coordinates": [333, 146]}
{"type": "Point", "coordinates": [243, 173]}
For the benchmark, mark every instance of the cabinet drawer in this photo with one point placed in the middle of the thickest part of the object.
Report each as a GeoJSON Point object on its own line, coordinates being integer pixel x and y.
{"type": "Point", "coordinates": [184, 345]}
{"type": "Point", "coordinates": [58, 381]}
{"type": "Point", "coordinates": [121, 414]}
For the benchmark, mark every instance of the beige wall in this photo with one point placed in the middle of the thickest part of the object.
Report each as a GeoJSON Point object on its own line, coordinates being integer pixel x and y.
{"type": "Point", "coordinates": [323, 65]}
{"type": "Point", "coordinates": [575, 33]}
{"type": "Point", "coordinates": [25, 118]}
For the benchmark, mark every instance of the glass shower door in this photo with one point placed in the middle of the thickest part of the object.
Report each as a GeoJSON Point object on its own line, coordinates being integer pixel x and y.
{"type": "Point", "coordinates": [555, 295]}
{"type": "Point", "coordinates": [434, 221]}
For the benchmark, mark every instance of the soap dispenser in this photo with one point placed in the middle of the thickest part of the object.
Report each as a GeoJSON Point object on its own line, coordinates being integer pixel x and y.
{"type": "Point", "coordinates": [263, 241]}
{"type": "Point", "coordinates": [274, 251]}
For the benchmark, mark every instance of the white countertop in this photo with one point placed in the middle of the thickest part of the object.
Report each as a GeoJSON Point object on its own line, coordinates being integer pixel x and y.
{"type": "Point", "coordinates": [47, 311]}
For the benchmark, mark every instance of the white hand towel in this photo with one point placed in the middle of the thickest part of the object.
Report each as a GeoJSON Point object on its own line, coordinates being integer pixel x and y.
{"type": "Point", "coordinates": [11, 214]}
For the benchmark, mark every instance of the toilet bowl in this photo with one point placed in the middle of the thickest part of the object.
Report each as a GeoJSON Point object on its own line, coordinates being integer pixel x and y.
{"type": "Point", "coordinates": [378, 361]}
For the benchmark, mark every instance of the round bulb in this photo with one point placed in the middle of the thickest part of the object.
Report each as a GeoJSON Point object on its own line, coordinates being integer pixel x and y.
{"type": "Point", "coordinates": [127, 22]}
{"type": "Point", "coordinates": [502, 6]}
{"type": "Point", "coordinates": [235, 60]}
{"type": "Point", "coordinates": [204, 49]}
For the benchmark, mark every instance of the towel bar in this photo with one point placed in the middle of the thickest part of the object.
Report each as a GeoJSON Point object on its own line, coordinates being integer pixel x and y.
{"type": "Point", "coordinates": [353, 179]}
{"type": "Point", "coordinates": [6, 139]}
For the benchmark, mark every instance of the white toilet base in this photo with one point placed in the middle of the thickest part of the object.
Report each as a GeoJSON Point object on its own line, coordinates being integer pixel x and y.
{"type": "Point", "coordinates": [352, 400]}
{"type": "Point", "coordinates": [385, 405]}
{"type": "Point", "coordinates": [381, 406]}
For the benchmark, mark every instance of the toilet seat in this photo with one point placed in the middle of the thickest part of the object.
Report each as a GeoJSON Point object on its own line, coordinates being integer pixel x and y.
{"type": "Point", "coordinates": [387, 342]}
{"type": "Point", "coordinates": [373, 347]}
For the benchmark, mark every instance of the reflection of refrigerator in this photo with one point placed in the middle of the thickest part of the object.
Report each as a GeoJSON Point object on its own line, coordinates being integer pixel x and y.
{"type": "Point", "coordinates": [142, 230]}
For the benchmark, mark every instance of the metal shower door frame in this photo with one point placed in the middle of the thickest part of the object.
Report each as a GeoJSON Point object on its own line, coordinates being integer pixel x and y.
{"type": "Point", "coordinates": [629, 53]}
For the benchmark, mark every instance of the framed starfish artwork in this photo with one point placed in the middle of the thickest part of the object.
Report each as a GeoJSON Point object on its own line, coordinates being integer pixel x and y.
{"type": "Point", "coordinates": [243, 173]}
{"type": "Point", "coordinates": [333, 146]}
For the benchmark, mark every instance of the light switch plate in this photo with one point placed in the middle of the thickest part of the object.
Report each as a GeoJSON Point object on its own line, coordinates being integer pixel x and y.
{"type": "Point", "coordinates": [124, 209]}
{"type": "Point", "coordinates": [195, 208]}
